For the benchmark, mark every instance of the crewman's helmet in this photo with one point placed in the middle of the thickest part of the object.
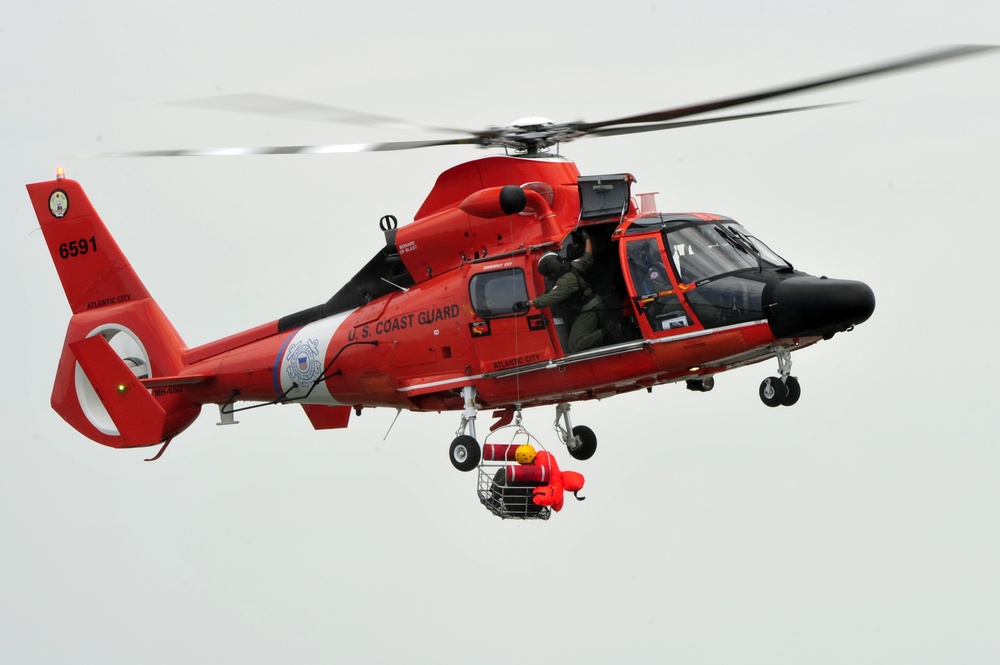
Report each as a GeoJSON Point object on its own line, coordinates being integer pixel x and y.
{"type": "Point", "coordinates": [550, 265]}
{"type": "Point", "coordinates": [525, 454]}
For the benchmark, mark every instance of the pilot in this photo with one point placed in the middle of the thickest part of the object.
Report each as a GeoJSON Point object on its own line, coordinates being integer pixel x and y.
{"type": "Point", "coordinates": [648, 272]}
{"type": "Point", "coordinates": [572, 291]}
{"type": "Point", "coordinates": [654, 274]}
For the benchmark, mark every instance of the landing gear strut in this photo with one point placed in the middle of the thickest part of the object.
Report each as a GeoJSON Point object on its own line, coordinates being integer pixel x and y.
{"type": "Point", "coordinates": [783, 390]}
{"type": "Point", "coordinates": [465, 452]}
{"type": "Point", "coordinates": [580, 440]}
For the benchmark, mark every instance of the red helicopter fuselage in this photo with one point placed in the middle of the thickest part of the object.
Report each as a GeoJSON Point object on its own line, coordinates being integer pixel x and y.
{"type": "Point", "coordinates": [435, 321]}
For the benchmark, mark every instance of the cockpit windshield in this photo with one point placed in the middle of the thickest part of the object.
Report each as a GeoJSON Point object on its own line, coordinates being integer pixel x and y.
{"type": "Point", "coordinates": [766, 253]}
{"type": "Point", "coordinates": [705, 251]}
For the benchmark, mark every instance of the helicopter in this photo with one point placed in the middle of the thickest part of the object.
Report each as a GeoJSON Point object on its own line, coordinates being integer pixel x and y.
{"type": "Point", "coordinates": [444, 316]}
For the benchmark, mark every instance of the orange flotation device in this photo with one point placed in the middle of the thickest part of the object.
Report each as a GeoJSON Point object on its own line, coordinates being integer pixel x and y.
{"type": "Point", "coordinates": [560, 482]}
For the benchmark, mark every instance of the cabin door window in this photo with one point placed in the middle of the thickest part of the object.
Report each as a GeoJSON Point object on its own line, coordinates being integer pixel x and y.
{"type": "Point", "coordinates": [653, 291]}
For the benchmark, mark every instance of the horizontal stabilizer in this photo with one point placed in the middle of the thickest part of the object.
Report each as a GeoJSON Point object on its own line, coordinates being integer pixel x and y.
{"type": "Point", "coordinates": [189, 380]}
{"type": "Point", "coordinates": [136, 414]}
{"type": "Point", "coordinates": [327, 417]}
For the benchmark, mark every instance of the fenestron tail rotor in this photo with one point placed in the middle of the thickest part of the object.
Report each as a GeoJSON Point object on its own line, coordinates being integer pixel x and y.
{"type": "Point", "coordinates": [530, 135]}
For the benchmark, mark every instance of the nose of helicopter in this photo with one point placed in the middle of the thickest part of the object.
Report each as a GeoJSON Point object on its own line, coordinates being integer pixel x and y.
{"type": "Point", "coordinates": [807, 305]}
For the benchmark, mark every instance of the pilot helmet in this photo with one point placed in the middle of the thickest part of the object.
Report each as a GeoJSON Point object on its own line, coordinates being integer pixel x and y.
{"type": "Point", "coordinates": [550, 265]}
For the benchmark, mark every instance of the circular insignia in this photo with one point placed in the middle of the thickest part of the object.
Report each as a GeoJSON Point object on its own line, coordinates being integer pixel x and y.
{"type": "Point", "coordinates": [302, 363]}
{"type": "Point", "coordinates": [654, 275]}
{"type": "Point", "coordinates": [58, 203]}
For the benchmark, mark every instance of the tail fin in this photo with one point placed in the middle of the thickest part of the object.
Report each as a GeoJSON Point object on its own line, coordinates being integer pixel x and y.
{"type": "Point", "coordinates": [108, 299]}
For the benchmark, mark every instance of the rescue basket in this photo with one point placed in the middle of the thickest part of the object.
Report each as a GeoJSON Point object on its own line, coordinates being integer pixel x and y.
{"type": "Point", "coordinates": [505, 487]}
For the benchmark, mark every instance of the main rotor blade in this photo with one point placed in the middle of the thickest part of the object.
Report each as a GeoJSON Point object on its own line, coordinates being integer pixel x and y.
{"type": "Point", "coordinates": [284, 107]}
{"type": "Point", "coordinates": [932, 57]}
{"type": "Point", "coordinates": [636, 129]}
{"type": "Point", "coordinates": [296, 149]}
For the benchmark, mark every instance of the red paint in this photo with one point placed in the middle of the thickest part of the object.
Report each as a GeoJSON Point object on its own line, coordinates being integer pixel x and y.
{"type": "Point", "coordinates": [412, 349]}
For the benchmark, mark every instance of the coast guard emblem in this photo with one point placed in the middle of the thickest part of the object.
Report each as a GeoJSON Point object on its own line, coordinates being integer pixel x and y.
{"type": "Point", "coordinates": [302, 362]}
{"type": "Point", "coordinates": [58, 203]}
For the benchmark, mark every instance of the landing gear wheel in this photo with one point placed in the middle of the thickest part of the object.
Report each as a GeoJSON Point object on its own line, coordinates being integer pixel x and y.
{"type": "Point", "coordinates": [794, 391]}
{"type": "Point", "coordinates": [772, 391]}
{"type": "Point", "coordinates": [464, 453]}
{"type": "Point", "coordinates": [588, 443]}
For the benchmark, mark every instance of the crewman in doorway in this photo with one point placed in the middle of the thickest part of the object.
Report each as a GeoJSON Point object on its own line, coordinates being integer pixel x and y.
{"type": "Point", "coordinates": [576, 296]}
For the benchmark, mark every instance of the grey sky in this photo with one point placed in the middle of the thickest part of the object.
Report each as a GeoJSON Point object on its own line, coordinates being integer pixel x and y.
{"type": "Point", "coordinates": [859, 526]}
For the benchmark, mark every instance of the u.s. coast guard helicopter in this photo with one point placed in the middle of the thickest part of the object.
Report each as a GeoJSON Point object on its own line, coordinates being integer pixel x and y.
{"type": "Point", "coordinates": [455, 312]}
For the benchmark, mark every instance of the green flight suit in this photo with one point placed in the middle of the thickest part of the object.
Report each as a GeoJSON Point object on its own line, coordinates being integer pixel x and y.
{"type": "Point", "coordinates": [586, 332]}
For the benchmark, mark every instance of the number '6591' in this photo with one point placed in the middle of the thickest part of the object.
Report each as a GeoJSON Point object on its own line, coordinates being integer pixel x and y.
{"type": "Point", "coordinates": [77, 247]}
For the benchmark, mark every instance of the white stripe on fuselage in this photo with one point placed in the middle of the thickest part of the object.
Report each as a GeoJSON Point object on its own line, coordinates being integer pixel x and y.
{"type": "Point", "coordinates": [304, 360]}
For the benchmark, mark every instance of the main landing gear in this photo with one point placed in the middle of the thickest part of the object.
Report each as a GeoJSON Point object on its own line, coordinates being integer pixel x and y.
{"type": "Point", "coordinates": [783, 390]}
{"type": "Point", "coordinates": [580, 440]}
{"type": "Point", "coordinates": [465, 452]}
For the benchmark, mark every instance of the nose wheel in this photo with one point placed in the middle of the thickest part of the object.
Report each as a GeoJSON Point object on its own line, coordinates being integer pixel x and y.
{"type": "Point", "coordinates": [783, 390]}
{"type": "Point", "coordinates": [775, 392]}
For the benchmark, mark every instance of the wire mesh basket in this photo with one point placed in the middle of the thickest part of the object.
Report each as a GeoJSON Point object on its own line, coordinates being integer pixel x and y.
{"type": "Point", "coordinates": [500, 489]}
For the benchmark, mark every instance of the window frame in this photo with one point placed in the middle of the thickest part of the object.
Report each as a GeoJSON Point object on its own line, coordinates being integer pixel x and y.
{"type": "Point", "coordinates": [477, 292]}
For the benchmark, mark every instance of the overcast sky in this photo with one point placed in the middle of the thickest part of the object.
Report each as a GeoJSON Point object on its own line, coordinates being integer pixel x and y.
{"type": "Point", "coordinates": [860, 526]}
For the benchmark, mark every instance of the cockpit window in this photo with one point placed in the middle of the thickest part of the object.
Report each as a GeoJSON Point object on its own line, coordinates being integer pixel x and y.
{"type": "Point", "coordinates": [654, 294]}
{"type": "Point", "coordinates": [704, 251]}
{"type": "Point", "coordinates": [766, 253]}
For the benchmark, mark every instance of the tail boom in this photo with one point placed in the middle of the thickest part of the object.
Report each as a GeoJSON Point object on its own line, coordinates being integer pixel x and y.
{"type": "Point", "coordinates": [125, 377]}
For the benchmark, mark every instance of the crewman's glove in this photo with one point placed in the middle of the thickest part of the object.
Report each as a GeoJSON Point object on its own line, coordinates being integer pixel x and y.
{"type": "Point", "coordinates": [522, 305]}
